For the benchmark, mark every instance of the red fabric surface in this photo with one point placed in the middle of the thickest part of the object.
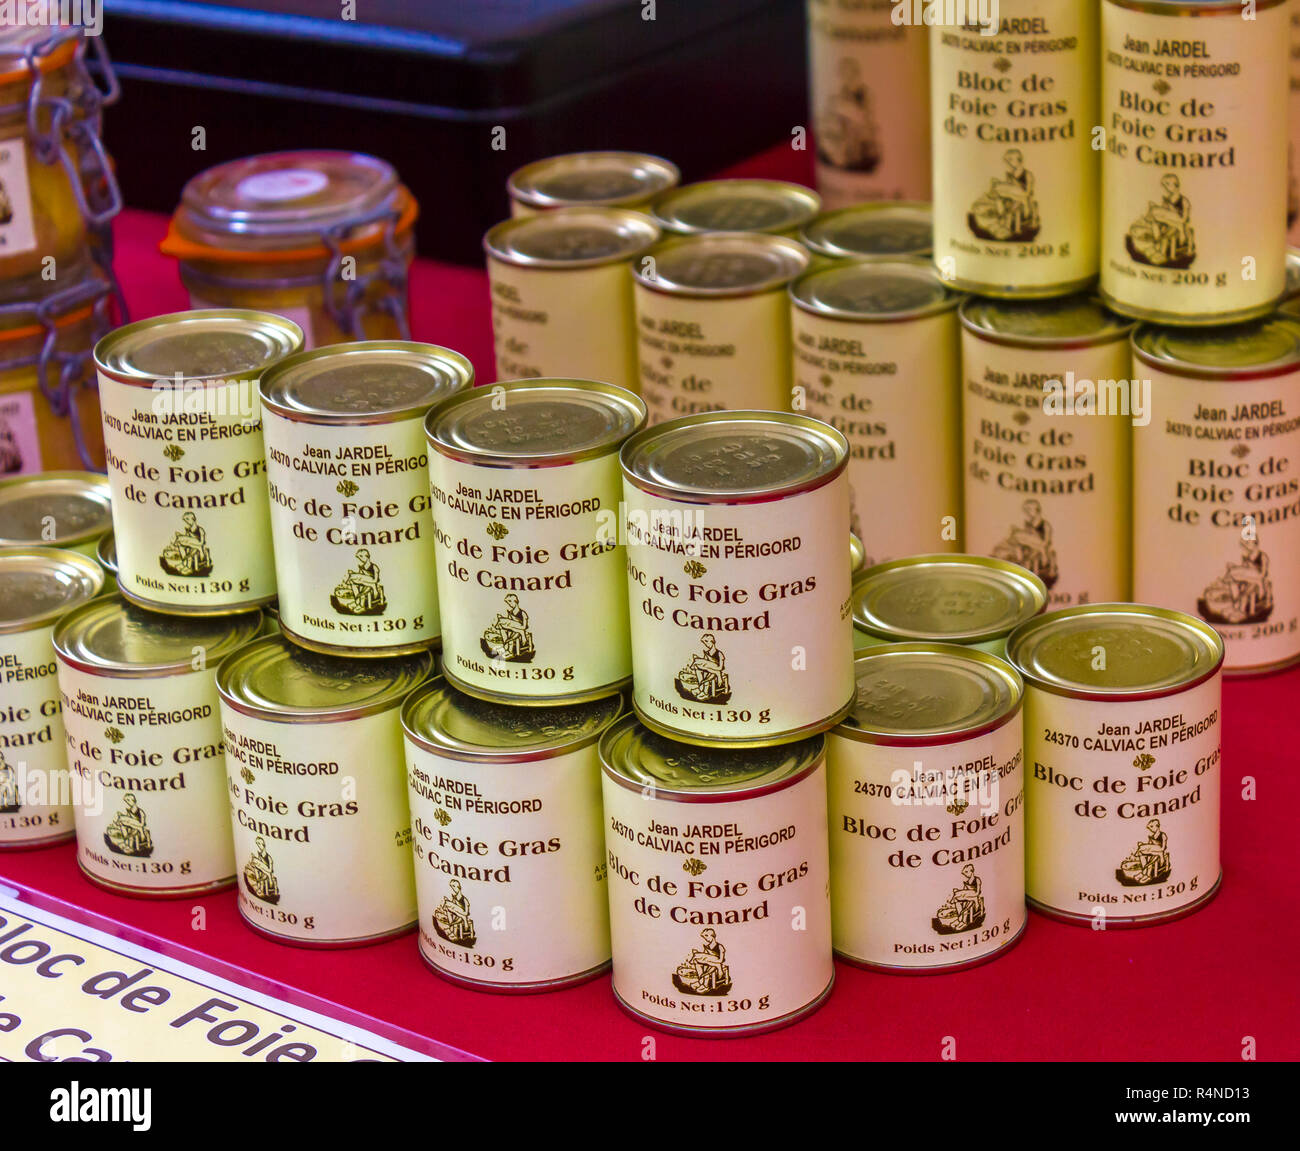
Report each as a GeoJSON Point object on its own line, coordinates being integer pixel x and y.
{"type": "Point", "coordinates": [1194, 989]}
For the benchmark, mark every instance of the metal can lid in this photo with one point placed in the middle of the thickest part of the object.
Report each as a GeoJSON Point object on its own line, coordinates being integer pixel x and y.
{"type": "Point", "coordinates": [38, 585]}
{"type": "Point", "coordinates": [1115, 651]}
{"type": "Point", "coordinates": [881, 228]}
{"type": "Point", "coordinates": [857, 554]}
{"type": "Point", "coordinates": [75, 504]}
{"type": "Point", "coordinates": [1068, 322]}
{"type": "Point", "coordinates": [734, 457]}
{"type": "Point", "coordinates": [874, 290]}
{"type": "Point", "coordinates": [106, 552]}
{"type": "Point", "coordinates": [925, 693]}
{"type": "Point", "coordinates": [278, 681]}
{"type": "Point", "coordinates": [946, 598]}
{"type": "Point", "coordinates": [209, 344]}
{"type": "Point", "coordinates": [736, 206]}
{"type": "Point", "coordinates": [636, 757]}
{"type": "Point", "coordinates": [1259, 348]}
{"type": "Point", "coordinates": [571, 238]}
{"type": "Point", "coordinates": [611, 178]}
{"type": "Point", "coordinates": [372, 381]}
{"type": "Point", "coordinates": [722, 264]}
{"type": "Point", "coordinates": [534, 423]}
{"type": "Point", "coordinates": [112, 637]}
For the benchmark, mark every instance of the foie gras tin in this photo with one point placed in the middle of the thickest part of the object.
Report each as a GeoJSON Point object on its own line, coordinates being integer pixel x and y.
{"type": "Point", "coordinates": [589, 179]}
{"type": "Point", "coordinates": [773, 206]}
{"type": "Point", "coordinates": [880, 230]}
{"type": "Point", "coordinates": [55, 510]}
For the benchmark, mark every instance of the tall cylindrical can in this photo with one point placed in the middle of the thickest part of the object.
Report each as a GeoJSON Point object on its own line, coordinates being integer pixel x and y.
{"type": "Point", "coordinates": [1047, 411]}
{"type": "Point", "coordinates": [1194, 182]}
{"type": "Point", "coordinates": [1122, 762]}
{"type": "Point", "coordinates": [588, 180]}
{"type": "Point", "coordinates": [882, 230]}
{"type": "Point", "coordinates": [348, 475]}
{"type": "Point", "coordinates": [1013, 109]}
{"type": "Point", "coordinates": [57, 510]}
{"type": "Point", "coordinates": [719, 881]}
{"type": "Point", "coordinates": [776, 207]}
{"type": "Point", "coordinates": [1216, 494]}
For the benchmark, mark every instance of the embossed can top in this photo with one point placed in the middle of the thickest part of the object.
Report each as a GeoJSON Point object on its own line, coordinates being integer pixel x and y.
{"type": "Point", "coordinates": [874, 291]}
{"type": "Point", "coordinates": [571, 238]}
{"type": "Point", "coordinates": [721, 264]}
{"type": "Point", "coordinates": [882, 229]}
{"type": "Point", "coordinates": [1254, 350]}
{"type": "Point", "coordinates": [38, 585]}
{"type": "Point", "coordinates": [54, 509]}
{"type": "Point", "coordinates": [1077, 321]}
{"type": "Point", "coordinates": [736, 206]}
{"type": "Point", "coordinates": [578, 178]}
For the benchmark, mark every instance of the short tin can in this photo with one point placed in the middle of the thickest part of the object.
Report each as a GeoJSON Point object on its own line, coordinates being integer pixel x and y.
{"type": "Point", "coordinates": [883, 230]}
{"type": "Point", "coordinates": [719, 886]}
{"type": "Point", "coordinates": [348, 475]}
{"type": "Point", "coordinates": [186, 460]}
{"type": "Point", "coordinates": [561, 286]}
{"type": "Point", "coordinates": [1013, 110]}
{"type": "Point", "coordinates": [1122, 763]}
{"type": "Point", "coordinates": [925, 789]}
{"type": "Point", "coordinates": [773, 206]}
{"type": "Point", "coordinates": [1216, 495]}
{"type": "Point", "coordinates": [144, 745]}
{"type": "Point", "coordinates": [1194, 180]}
{"type": "Point", "coordinates": [589, 179]}
{"type": "Point", "coordinates": [1048, 410]}
{"type": "Point", "coordinates": [509, 839]}
{"type": "Point", "coordinates": [317, 792]}
{"type": "Point", "coordinates": [56, 509]}
{"type": "Point", "coordinates": [531, 585]}
{"type": "Point", "coordinates": [37, 585]}
{"type": "Point", "coordinates": [877, 356]}
{"type": "Point", "coordinates": [963, 600]}
{"type": "Point", "coordinates": [736, 581]}
{"type": "Point", "coordinates": [713, 323]}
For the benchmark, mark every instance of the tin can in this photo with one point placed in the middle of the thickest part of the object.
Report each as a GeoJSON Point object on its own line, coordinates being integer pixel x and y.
{"type": "Point", "coordinates": [968, 601]}
{"type": "Point", "coordinates": [55, 509]}
{"type": "Point", "coordinates": [884, 230]}
{"type": "Point", "coordinates": [589, 179]}
{"type": "Point", "coordinates": [347, 470]}
{"type": "Point", "coordinates": [1047, 413]}
{"type": "Point", "coordinates": [1015, 173]}
{"type": "Point", "coordinates": [1122, 706]}
{"type": "Point", "coordinates": [144, 745]}
{"type": "Point", "coordinates": [1194, 183]}
{"type": "Point", "coordinates": [719, 882]}
{"type": "Point", "coordinates": [562, 293]}
{"type": "Point", "coordinates": [775, 207]}
{"type": "Point", "coordinates": [317, 792]}
{"type": "Point", "coordinates": [877, 355]}
{"type": "Point", "coordinates": [925, 788]}
{"type": "Point", "coordinates": [525, 483]}
{"type": "Point", "coordinates": [509, 840]}
{"type": "Point", "coordinates": [869, 83]}
{"type": "Point", "coordinates": [37, 585]}
{"type": "Point", "coordinates": [1216, 497]}
{"type": "Point", "coordinates": [738, 590]}
{"type": "Point", "coordinates": [713, 323]}
{"type": "Point", "coordinates": [186, 461]}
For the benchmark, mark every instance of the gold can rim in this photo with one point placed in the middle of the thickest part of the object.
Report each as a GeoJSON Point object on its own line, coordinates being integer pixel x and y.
{"type": "Point", "coordinates": [721, 265]}
{"type": "Point", "coordinates": [828, 233]}
{"type": "Point", "coordinates": [106, 552]}
{"type": "Point", "coordinates": [88, 489]}
{"type": "Point", "coordinates": [632, 232]}
{"type": "Point", "coordinates": [1274, 340]}
{"type": "Point", "coordinates": [648, 176]}
{"type": "Point", "coordinates": [52, 582]}
{"type": "Point", "coordinates": [1085, 321]}
{"type": "Point", "coordinates": [1189, 7]}
{"type": "Point", "coordinates": [918, 290]}
{"type": "Point", "coordinates": [676, 209]}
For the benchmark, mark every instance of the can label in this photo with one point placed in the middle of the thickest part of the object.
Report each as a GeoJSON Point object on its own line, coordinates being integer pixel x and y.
{"type": "Point", "coordinates": [20, 441]}
{"type": "Point", "coordinates": [719, 912]}
{"type": "Point", "coordinates": [17, 228]}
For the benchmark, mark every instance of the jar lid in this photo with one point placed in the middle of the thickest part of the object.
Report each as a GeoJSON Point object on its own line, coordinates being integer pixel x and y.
{"type": "Point", "coordinates": [41, 28]}
{"type": "Point", "coordinates": [874, 290]}
{"type": "Point", "coordinates": [1267, 347]}
{"type": "Point", "coordinates": [54, 509]}
{"type": "Point", "coordinates": [106, 553]}
{"type": "Point", "coordinates": [882, 228]}
{"type": "Point", "coordinates": [38, 585]}
{"type": "Point", "coordinates": [735, 206]}
{"type": "Point", "coordinates": [722, 264]}
{"type": "Point", "coordinates": [610, 178]}
{"type": "Point", "coordinates": [571, 238]}
{"type": "Point", "coordinates": [1068, 322]}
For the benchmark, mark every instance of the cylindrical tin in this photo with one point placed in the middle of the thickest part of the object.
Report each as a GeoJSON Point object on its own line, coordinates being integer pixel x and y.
{"type": "Point", "coordinates": [970, 601]}
{"type": "Point", "coordinates": [877, 231]}
{"type": "Point", "coordinates": [925, 790]}
{"type": "Point", "coordinates": [55, 509]}
{"type": "Point", "coordinates": [317, 792]}
{"type": "Point", "coordinates": [1194, 182]}
{"type": "Point", "coordinates": [37, 585]}
{"type": "Point", "coordinates": [1216, 494]}
{"type": "Point", "coordinates": [736, 580]}
{"type": "Point", "coordinates": [144, 745]}
{"type": "Point", "coordinates": [877, 355]}
{"type": "Point", "coordinates": [509, 844]}
{"type": "Point", "coordinates": [186, 462]}
{"type": "Point", "coordinates": [1047, 408]}
{"type": "Point", "coordinates": [869, 86]}
{"type": "Point", "coordinates": [1122, 763]}
{"type": "Point", "coordinates": [348, 476]}
{"type": "Point", "coordinates": [713, 323]}
{"type": "Point", "coordinates": [525, 483]}
{"type": "Point", "coordinates": [589, 179]}
{"type": "Point", "coordinates": [719, 882]}
{"type": "Point", "coordinates": [772, 206]}
{"type": "Point", "coordinates": [1015, 171]}
{"type": "Point", "coordinates": [562, 293]}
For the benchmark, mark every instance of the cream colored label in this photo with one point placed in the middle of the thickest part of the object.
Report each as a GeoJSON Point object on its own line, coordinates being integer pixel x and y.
{"type": "Point", "coordinates": [741, 617]}
{"type": "Point", "coordinates": [510, 866]}
{"type": "Point", "coordinates": [187, 471]}
{"type": "Point", "coordinates": [17, 229]}
{"type": "Point", "coordinates": [1194, 174]}
{"type": "Point", "coordinates": [530, 576]}
{"type": "Point", "coordinates": [1122, 802]}
{"type": "Point", "coordinates": [719, 912]}
{"type": "Point", "coordinates": [706, 355]}
{"type": "Point", "coordinates": [870, 93]}
{"type": "Point", "coordinates": [148, 777]}
{"type": "Point", "coordinates": [892, 389]}
{"type": "Point", "coordinates": [322, 827]}
{"type": "Point", "coordinates": [297, 314]}
{"type": "Point", "coordinates": [1014, 166]}
{"type": "Point", "coordinates": [353, 534]}
{"type": "Point", "coordinates": [927, 849]}
{"type": "Point", "coordinates": [1217, 510]}
{"type": "Point", "coordinates": [1047, 481]}
{"type": "Point", "coordinates": [20, 441]}
{"type": "Point", "coordinates": [1293, 147]}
